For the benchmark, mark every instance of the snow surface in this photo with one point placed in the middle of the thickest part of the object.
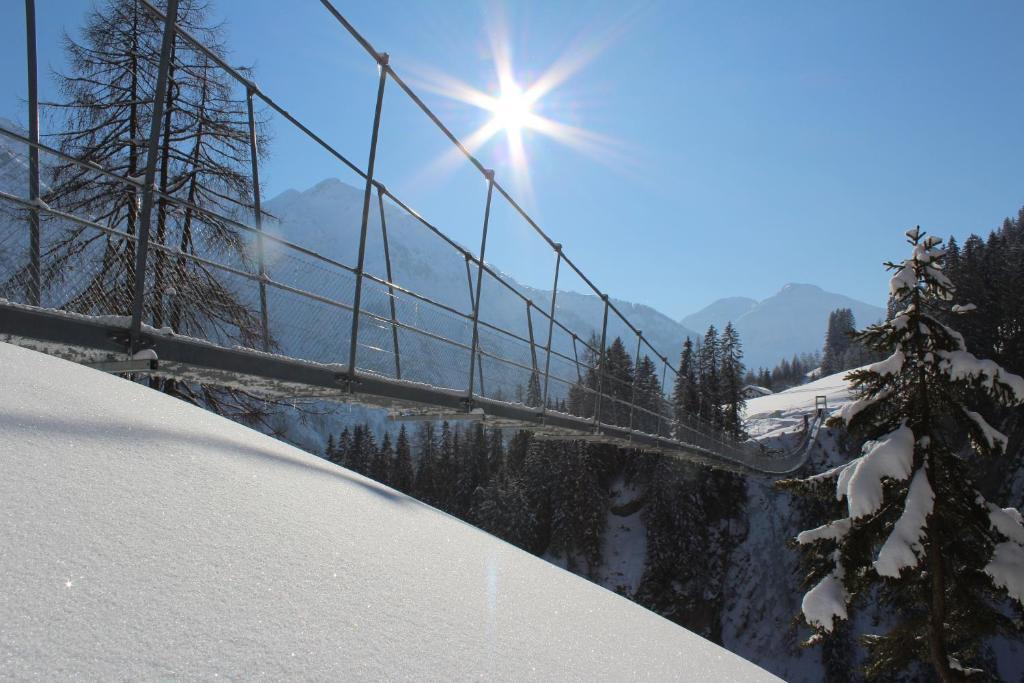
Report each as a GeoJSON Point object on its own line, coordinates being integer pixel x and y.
{"type": "Point", "coordinates": [860, 482]}
{"type": "Point", "coordinates": [784, 412]}
{"type": "Point", "coordinates": [826, 602]}
{"type": "Point", "coordinates": [146, 538]}
{"type": "Point", "coordinates": [901, 549]}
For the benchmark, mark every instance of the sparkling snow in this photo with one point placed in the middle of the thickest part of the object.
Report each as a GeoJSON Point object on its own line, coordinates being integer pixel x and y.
{"type": "Point", "coordinates": [146, 538]}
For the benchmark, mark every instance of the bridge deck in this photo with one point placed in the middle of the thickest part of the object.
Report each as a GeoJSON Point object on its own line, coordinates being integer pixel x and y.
{"type": "Point", "coordinates": [95, 340]}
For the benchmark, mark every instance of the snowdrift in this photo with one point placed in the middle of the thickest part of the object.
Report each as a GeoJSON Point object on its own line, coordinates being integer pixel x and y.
{"type": "Point", "coordinates": [146, 538]}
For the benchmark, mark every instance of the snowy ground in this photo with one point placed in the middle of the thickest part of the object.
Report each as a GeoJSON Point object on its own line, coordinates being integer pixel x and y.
{"type": "Point", "coordinates": [778, 414]}
{"type": "Point", "coordinates": [625, 541]}
{"type": "Point", "coordinates": [146, 538]}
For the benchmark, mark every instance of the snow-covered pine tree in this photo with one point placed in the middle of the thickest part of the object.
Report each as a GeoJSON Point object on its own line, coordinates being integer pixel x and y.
{"type": "Point", "coordinates": [916, 531]}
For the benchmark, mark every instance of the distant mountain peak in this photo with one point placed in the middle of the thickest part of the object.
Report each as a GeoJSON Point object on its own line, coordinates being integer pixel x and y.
{"type": "Point", "coordinates": [793, 320]}
{"type": "Point", "coordinates": [800, 286]}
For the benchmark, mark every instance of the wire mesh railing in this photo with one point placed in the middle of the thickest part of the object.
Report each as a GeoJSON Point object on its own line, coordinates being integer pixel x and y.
{"type": "Point", "coordinates": [210, 270]}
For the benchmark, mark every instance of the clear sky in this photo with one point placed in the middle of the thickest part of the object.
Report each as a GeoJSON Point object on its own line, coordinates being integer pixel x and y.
{"type": "Point", "coordinates": [730, 147]}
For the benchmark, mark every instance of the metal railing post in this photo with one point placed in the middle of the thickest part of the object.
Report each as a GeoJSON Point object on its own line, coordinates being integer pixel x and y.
{"type": "Point", "coordinates": [382, 63]}
{"type": "Point", "coordinates": [472, 304]}
{"type": "Point", "coordinates": [576, 355]}
{"type": "Point", "coordinates": [636, 377]}
{"type": "Point", "coordinates": [601, 364]}
{"type": "Point", "coordinates": [661, 396]}
{"type": "Point", "coordinates": [258, 217]}
{"type": "Point", "coordinates": [534, 375]}
{"type": "Point", "coordinates": [142, 247]}
{"type": "Point", "coordinates": [391, 290]}
{"type": "Point", "coordinates": [489, 175]}
{"type": "Point", "coordinates": [551, 327]}
{"type": "Point", "coordinates": [34, 293]}
{"type": "Point", "coordinates": [529, 328]}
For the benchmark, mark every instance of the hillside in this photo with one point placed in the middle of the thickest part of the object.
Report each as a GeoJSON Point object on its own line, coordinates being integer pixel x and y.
{"type": "Point", "coordinates": [327, 216]}
{"type": "Point", "coordinates": [147, 538]}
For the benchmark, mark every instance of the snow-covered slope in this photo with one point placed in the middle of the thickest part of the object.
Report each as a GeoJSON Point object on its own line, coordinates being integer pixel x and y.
{"type": "Point", "coordinates": [766, 415]}
{"type": "Point", "coordinates": [146, 538]}
{"type": "Point", "coordinates": [792, 321]}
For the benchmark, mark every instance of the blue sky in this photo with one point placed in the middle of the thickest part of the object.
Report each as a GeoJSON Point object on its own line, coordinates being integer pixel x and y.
{"type": "Point", "coordinates": [750, 144]}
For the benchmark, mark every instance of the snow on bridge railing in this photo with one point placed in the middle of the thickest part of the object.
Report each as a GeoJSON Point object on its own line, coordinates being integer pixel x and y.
{"type": "Point", "coordinates": [207, 273]}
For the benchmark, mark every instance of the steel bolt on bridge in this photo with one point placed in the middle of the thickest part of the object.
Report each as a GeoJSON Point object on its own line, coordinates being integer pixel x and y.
{"type": "Point", "coordinates": [401, 350]}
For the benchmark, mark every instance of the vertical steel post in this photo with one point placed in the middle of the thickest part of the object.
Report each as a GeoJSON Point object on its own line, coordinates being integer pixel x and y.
{"type": "Point", "coordinates": [142, 247]}
{"type": "Point", "coordinates": [472, 303]}
{"type": "Point", "coordinates": [551, 326]}
{"type": "Point", "coordinates": [636, 377]}
{"type": "Point", "coordinates": [258, 216]}
{"type": "Point", "coordinates": [533, 349]}
{"type": "Point", "coordinates": [382, 63]}
{"type": "Point", "coordinates": [391, 290]}
{"type": "Point", "coordinates": [529, 327]}
{"type": "Point", "coordinates": [601, 364]}
{"type": "Point", "coordinates": [489, 175]}
{"type": "Point", "coordinates": [35, 275]}
{"type": "Point", "coordinates": [661, 397]}
{"type": "Point", "coordinates": [576, 355]}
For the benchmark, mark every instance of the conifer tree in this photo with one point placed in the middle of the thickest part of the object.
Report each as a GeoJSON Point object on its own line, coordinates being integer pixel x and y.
{"type": "Point", "coordinates": [648, 398]}
{"type": "Point", "coordinates": [380, 461]}
{"type": "Point", "coordinates": [534, 396]}
{"type": "Point", "coordinates": [732, 401]}
{"type": "Point", "coordinates": [401, 467]}
{"type": "Point", "coordinates": [426, 468]}
{"type": "Point", "coordinates": [915, 527]}
{"type": "Point", "coordinates": [686, 392]}
{"type": "Point", "coordinates": [838, 341]}
{"type": "Point", "coordinates": [708, 367]}
{"type": "Point", "coordinates": [341, 449]}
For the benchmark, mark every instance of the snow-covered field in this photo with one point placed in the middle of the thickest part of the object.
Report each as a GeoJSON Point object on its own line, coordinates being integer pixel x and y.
{"type": "Point", "coordinates": [777, 414]}
{"type": "Point", "coordinates": [145, 538]}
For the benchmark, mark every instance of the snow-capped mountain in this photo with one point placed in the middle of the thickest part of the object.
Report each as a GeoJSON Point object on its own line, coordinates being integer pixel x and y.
{"type": "Point", "coordinates": [326, 218]}
{"type": "Point", "coordinates": [792, 321]}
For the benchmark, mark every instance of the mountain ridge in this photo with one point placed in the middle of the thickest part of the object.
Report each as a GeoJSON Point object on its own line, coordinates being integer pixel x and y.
{"type": "Point", "coordinates": [791, 321]}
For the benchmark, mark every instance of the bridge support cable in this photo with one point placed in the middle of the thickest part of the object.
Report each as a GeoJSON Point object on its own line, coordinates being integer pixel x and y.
{"type": "Point", "coordinates": [152, 151]}
{"type": "Point", "coordinates": [391, 288]}
{"type": "Point", "coordinates": [34, 291]}
{"type": "Point", "coordinates": [258, 220]}
{"type": "Point", "coordinates": [475, 344]}
{"type": "Point", "coordinates": [382, 62]}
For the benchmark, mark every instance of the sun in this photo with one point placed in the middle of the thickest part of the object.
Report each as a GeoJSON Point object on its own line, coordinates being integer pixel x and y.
{"type": "Point", "coordinates": [511, 108]}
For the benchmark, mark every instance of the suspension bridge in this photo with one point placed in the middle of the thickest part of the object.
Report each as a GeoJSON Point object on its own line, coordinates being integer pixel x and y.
{"type": "Point", "coordinates": [231, 304]}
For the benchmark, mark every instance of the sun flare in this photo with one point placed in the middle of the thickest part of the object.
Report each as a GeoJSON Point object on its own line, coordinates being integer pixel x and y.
{"type": "Point", "coordinates": [512, 108]}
